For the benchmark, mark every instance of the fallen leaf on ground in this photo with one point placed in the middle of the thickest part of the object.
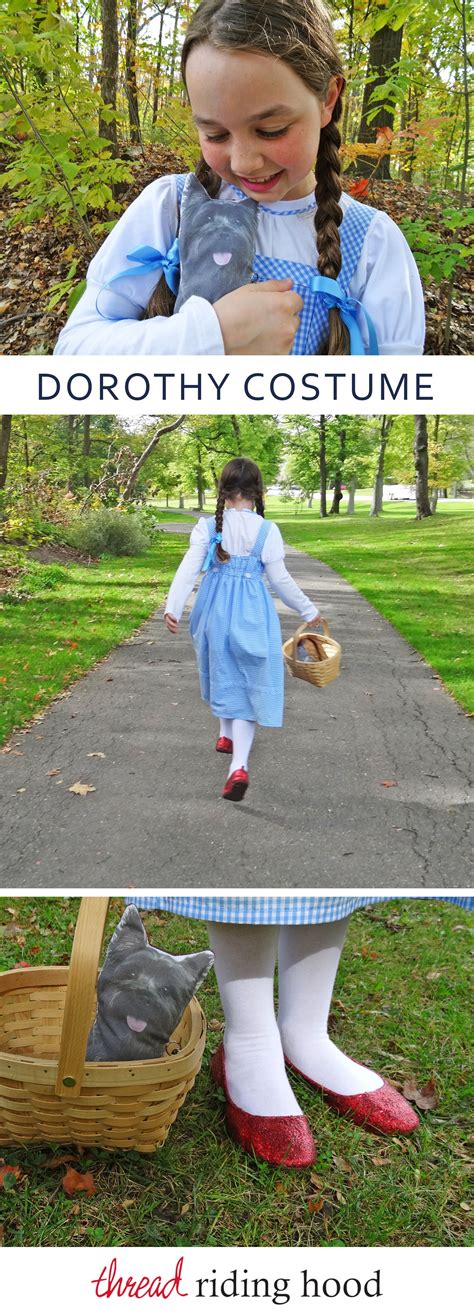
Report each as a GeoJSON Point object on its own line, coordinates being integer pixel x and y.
{"type": "Point", "coordinates": [341, 1164]}
{"type": "Point", "coordinates": [60, 1160]}
{"type": "Point", "coordinates": [368, 954]}
{"type": "Point", "coordinates": [426, 1097]}
{"type": "Point", "coordinates": [9, 1175]}
{"type": "Point", "coordinates": [80, 788]}
{"type": "Point", "coordinates": [96, 754]}
{"type": "Point", "coordinates": [129, 1201]}
{"type": "Point", "coordinates": [389, 783]}
{"type": "Point", "coordinates": [54, 772]}
{"type": "Point", "coordinates": [316, 1205]}
{"type": "Point", "coordinates": [73, 1182]}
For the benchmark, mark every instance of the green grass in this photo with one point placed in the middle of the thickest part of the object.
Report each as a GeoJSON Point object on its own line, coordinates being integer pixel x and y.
{"type": "Point", "coordinates": [418, 574]}
{"type": "Point", "coordinates": [50, 639]}
{"type": "Point", "coordinates": [401, 1004]}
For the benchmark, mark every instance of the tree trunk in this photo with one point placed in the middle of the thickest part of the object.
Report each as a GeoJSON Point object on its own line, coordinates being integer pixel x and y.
{"type": "Point", "coordinates": [236, 429]}
{"type": "Point", "coordinates": [337, 494]}
{"type": "Point", "coordinates": [5, 436]}
{"type": "Point", "coordinates": [181, 503]}
{"type": "Point", "coordinates": [131, 73]}
{"type": "Point", "coordinates": [420, 453]}
{"type": "Point", "coordinates": [351, 504]}
{"type": "Point", "coordinates": [199, 480]}
{"type": "Point", "coordinates": [310, 500]}
{"type": "Point", "coordinates": [86, 448]}
{"type": "Point", "coordinates": [323, 474]}
{"type": "Point", "coordinates": [133, 477]}
{"type": "Point", "coordinates": [173, 52]}
{"type": "Point", "coordinates": [108, 75]}
{"type": "Point", "coordinates": [434, 501]}
{"type": "Point", "coordinates": [157, 72]}
{"type": "Point", "coordinates": [384, 55]}
{"type": "Point", "coordinates": [377, 494]}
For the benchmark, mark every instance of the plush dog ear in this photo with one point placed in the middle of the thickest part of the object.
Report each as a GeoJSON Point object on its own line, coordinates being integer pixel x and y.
{"type": "Point", "coordinates": [129, 936]}
{"type": "Point", "coordinates": [195, 967]}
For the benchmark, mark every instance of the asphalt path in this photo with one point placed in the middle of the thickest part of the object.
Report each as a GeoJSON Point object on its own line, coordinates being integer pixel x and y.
{"type": "Point", "coordinates": [318, 812]}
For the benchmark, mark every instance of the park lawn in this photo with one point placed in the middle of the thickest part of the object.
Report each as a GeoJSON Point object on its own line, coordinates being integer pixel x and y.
{"type": "Point", "coordinates": [418, 574]}
{"type": "Point", "coordinates": [401, 1004]}
{"type": "Point", "coordinates": [50, 639]}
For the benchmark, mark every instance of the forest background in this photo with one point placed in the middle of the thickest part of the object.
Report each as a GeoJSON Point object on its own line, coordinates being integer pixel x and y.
{"type": "Point", "coordinates": [92, 109]}
{"type": "Point", "coordinates": [94, 514]}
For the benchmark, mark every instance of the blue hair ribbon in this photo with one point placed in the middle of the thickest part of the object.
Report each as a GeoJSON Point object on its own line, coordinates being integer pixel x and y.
{"type": "Point", "coordinates": [349, 309]}
{"type": "Point", "coordinates": [148, 259]}
{"type": "Point", "coordinates": [213, 542]}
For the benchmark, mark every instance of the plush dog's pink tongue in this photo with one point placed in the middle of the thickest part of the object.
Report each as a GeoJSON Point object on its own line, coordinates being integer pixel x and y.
{"type": "Point", "coordinates": [137, 1025]}
{"type": "Point", "coordinates": [222, 257]}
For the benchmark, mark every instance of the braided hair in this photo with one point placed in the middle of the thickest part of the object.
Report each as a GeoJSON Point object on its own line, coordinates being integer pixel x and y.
{"type": "Point", "coordinates": [299, 32]}
{"type": "Point", "coordinates": [240, 476]}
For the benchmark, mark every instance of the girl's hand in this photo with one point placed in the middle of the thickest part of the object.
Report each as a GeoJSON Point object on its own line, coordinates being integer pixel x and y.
{"type": "Point", "coordinates": [260, 318]}
{"type": "Point", "coordinates": [316, 620]}
{"type": "Point", "coordinates": [171, 622]}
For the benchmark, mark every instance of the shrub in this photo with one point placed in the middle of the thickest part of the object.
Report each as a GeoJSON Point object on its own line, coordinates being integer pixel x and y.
{"type": "Point", "coordinates": [109, 531]}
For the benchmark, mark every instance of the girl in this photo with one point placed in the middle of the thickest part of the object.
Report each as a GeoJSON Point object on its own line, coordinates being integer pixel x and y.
{"type": "Point", "coordinates": [306, 934]}
{"type": "Point", "coordinates": [234, 624]}
{"type": "Point", "coordinates": [265, 83]}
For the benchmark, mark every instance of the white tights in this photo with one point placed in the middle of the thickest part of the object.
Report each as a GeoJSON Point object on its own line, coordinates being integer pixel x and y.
{"type": "Point", "coordinates": [241, 733]}
{"type": "Point", "coordinates": [255, 1044]}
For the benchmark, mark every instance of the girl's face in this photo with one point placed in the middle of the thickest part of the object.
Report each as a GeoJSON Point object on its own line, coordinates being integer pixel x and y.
{"type": "Point", "coordinates": [258, 122]}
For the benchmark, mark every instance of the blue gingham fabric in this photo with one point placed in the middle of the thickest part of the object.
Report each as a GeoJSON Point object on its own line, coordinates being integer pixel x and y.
{"type": "Point", "coordinates": [314, 318]}
{"type": "Point", "coordinates": [236, 635]}
{"type": "Point", "coordinates": [284, 909]}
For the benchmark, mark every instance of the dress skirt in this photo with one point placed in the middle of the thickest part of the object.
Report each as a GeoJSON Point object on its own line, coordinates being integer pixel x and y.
{"type": "Point", "coordinates": [237, 640]}
{"type": "Point", "coordinates": [281, 910]}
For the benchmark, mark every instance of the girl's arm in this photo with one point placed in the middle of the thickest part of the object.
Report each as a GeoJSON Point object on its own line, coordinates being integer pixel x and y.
{"type": "Point", "coordinates": [186, 576]}
{"type": "Point", "coordinates": [106, 319]}
{"type": "Point", "coordinates": [281, 581]}
{"type": "Point", "coordinates": [388, 284]}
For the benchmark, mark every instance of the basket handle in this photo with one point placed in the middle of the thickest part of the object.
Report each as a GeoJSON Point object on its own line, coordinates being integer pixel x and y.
{"type": "Point", "coordinates": [303, 630]}
{"type": "Point", "coordinates": [81, 983]}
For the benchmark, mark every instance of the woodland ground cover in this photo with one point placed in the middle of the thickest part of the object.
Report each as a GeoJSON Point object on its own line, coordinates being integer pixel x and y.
{"type": "Point", "coordinates": [401, 1005]}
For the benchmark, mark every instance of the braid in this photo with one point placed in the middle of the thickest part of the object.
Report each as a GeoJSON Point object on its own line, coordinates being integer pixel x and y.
{"type": "Point", "coordinates": [221, 554]}
{"type": "Point", "coordinates": [327, 221]}
{"type": "Point", "coordinates": [259, 504]}
{"type": "Point", "coordinates": [162, 299]}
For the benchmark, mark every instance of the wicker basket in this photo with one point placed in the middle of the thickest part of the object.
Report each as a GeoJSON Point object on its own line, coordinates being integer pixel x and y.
{"type": "Point", "coordinates": [49, 1092]}
{"type": "Point", "coordinates": [325, 655]}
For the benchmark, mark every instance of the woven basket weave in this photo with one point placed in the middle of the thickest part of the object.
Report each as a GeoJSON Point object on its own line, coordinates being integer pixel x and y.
{"type": "Point", "coordinates": [49, 1092]}
{"type": "Point", "coordinates": [324, 651]}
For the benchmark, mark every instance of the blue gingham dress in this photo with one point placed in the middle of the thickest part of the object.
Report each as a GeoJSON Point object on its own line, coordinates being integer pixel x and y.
{"type": "Point", "coordinates": [237, 638]}
{"type": "Point", "coordinates": [314, 317]}
{"type": "Point", "coordinates": [284, 910]}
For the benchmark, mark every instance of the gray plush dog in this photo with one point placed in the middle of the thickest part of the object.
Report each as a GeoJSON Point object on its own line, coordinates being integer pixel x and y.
{"type": "Point", "coordinates": [217, 243]}
{"type": "Point", "coordinates": [142, 993]}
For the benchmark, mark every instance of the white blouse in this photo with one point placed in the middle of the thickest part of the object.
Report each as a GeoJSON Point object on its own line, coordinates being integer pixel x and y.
{"type": "Point", "coordinates": [240, 528]}
{"type": "Point", "coordinates": [386, 281]}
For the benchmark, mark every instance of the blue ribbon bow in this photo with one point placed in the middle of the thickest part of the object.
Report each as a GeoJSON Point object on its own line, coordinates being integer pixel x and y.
{"type": "Point", "coordinates": [148, 259]}
{"type": "Point", "coordinates": [213, 542]}
{"type": "Point", "coordinates": [349, 308]}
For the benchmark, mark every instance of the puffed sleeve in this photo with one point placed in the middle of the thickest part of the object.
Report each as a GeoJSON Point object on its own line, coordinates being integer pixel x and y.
{"type": "Point", "coordinates": [273, 558]}
{"type": "Point", "coordinates": [388, 284]}
{"type": "Point", "coordinates": [185, 579]}
{"type": "Point", "coordinates": [106, 319]}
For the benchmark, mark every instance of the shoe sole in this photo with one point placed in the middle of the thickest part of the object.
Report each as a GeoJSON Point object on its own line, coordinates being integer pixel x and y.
{"type": "Point", "coordinates": [237, 793]}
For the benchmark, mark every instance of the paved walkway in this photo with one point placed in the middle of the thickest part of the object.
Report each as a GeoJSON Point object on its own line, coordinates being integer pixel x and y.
{"type": "Point", "coordinates": [316, 814]}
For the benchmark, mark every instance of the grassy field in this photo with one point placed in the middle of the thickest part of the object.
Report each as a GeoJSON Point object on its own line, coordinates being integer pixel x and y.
{"type": "Point", "coordinates": [418, 574]}
{"type": "Point", "coordinates": [401, 1005]}
{"type": "Point", "coordinates": [52, 636]}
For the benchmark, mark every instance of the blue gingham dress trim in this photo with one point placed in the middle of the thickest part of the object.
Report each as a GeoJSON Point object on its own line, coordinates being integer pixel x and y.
{"type": "Point", "coordinates": [314, 317]}
{"type": "Point", "coordinates": [281, 910]}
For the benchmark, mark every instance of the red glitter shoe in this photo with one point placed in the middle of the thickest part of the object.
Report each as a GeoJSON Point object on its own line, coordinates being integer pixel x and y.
{"type": "Point", "coordinates": [277, 1139]}
{"type": "Point", "coordinates": [236, 785]}
{"type": "Point", "coordinates": [224, 745]}
{"type": "Point", "coordinates": [382, 1111]}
